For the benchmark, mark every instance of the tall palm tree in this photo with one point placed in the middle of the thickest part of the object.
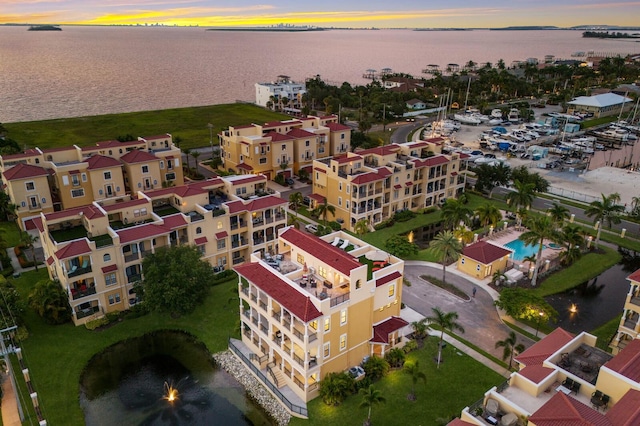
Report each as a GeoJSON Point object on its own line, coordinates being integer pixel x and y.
{"type": "Point", "coordinates": [523, 196]}
{"type": "Point", "coordinates": [446, 247]}
{"type": "Point", "coordinates": [325, 208]}
{"type": "Point", "coordinates": [28, 241]}
{"type": "Point", "coordinates": [558, 214]}
{"type": "Point", "coordinates": [293, 221]}
{"type": "Point", "coordinates": [370, 397]}
{"type": "Point", "coordinates": [539, 229]}
{"type": "Point", "coordinates": [488, 214]}
{"type": "Point", "coordinates": [531, 259]}
{"type": "Point", "coordinates": [463, 234]}
{"type": "Point", "coordinates": [510, 346]}
{"type": "Point", "coordinates": [413, 370]}
{"type": "Point", "coordinates": [361, 227]}
{"type": "Point", "coordinates": [446, 321]}
{"type": "Point", "coordinates": [295, 201]}
{"type": "Point", "coordinates": [455, 212]}
{"type": "Point", "coordinates": [604, 211]}
{"type": "Point", "coordinates": [195, 155]}
{"type": "Point", "coordinates": [187, 153]}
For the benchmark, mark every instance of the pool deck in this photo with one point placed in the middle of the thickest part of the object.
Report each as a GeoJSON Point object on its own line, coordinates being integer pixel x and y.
{"type": "Point", "coordinates": [501, 238]}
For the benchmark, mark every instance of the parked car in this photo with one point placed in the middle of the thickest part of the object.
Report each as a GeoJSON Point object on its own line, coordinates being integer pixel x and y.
{"type": "Point", "coordinates": [306, 201]}
{"type": "Point", "coordinates": [311, 228]}
{"type": "Point", "coordinates": [289, 181]}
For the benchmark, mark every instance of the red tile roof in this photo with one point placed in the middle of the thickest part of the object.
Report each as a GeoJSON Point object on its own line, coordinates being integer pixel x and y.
{"type": "Point", "coordinates": [109, 268]}
{"type": "Point", "coordinates": [141, 232]}
{"type": "Point", "coordinates": [332, 256]}
{"type": "Point", "coordinates": [397, 186]}
{"type": "Point", "coordinates": [544, 348]}
{"type": "Point", "coordinates": [420, 144]}
{"type": "Point", "coordinates": [50, 260]}
{"type": "Point", "coordinates": [431, 161]}
{"type": "Point", "coordinates": [117, 144]}
{"type": "Point", "coordinates": [562, 410]}
{"type": "Point", "coordinates": [627, 409]}
{"type": "Point", "coordinates": [125, 204]}
{"type": "Point", "coordinates": [137, 156]}
{"type": "Point", "coordinates": [278, 137]}
{"type": "Point", "coordinates": [101, 162]}
{"type": "Point", "coordinates": [255, 205]}
{"type": "Point", "coordinates": [174, 221]}
{"type": "Point", "coordinates": [319, 198]}
{"type": "Point", "coordinates": [73, 249]}
{"type": "Point", "coordinates": [341, 159]}
{"type": "Point", "coordinates": [536, 373]}
{"type": "Point", "coordinates": [244, 166]}
{"type": "Point", "coordinates": [300, 133]}
{"type": "Point", "coordinates": [337, 127]}
{"type": "Point", "coordinates": [32, 152]}
{"type": "Point", "coordinates": [484, 252]}
{"type": "Point", "coordinates": [318, 169]}
{"type": "Point", "coordinates": [381, 331]}
{"type": "Point", "coordinates": [200, 241]}
{"type": "Point", "coordinates": [366, 178]}
{"type": "Point", "coordinates": [388, 278]}
{"type": "Point", "coordinates": [627, 361]}
{"type": "Point", "coordinates": [635, 276]}
{"type": "Point", "coordinates": [37, 221]}
{"type": "Point", "coordinates": [24, 171]}
{"type": "Point", "coordinates": [436, 141]}
{"type": "Point", "coordinates": [90, 211]}
{"type": "Point", "coordinates": [281, 291]}
{"type": "Point", "coordinates": [221, 235]}
{"type": "Point", "coordinates": [458, 422]}
{"type": "Point", "coordinates": [248, 179]}
{"type": "Point", "coordinates": [381, 150]}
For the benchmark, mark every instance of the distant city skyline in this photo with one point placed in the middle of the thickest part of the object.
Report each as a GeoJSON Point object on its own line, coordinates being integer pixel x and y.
{"type": "Point", "coordinates": [328, 13]}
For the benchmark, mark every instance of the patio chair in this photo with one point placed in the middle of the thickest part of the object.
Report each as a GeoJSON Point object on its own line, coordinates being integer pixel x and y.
{"type": "Point", "coordinates": [605, 400]}
{"type": "Point", "coordinates": [345, 244]}
{"type": "Point", "coordinates": [492, 407]}
{"type": "Point", "coordinates": [509, 419]}
{"type": "Point", "coordinates": [576, 387]}
{"type": "Point", "coordinates": [335, 242]}
{"type": "Point", "coordinates": [85, 264]}
{"type": "Point", "coordinates": [73, 269]}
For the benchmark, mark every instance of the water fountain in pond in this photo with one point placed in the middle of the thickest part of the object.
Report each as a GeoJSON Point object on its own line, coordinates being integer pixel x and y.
{"type": "Point", "coordinates": [170, 393]}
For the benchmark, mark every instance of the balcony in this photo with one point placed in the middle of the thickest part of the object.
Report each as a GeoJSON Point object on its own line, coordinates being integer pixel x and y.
{"type": "Point", "coordinates": [82, 292]}
{"type": "Point", "coordinates": [263, 305]}
{"type": "Point", "coordinates": [635, 300]}
{"type": "Point", "coordinates": [298, 334]}
{"type": "Point", "coordinates": [238, 243]}
{"type": "Point", "coordinates": [238, 260]}
{"type": "Point", "coordinates": [276, 316]}
{"type": "Point", "coordinates": [299, 360]}
{"type": "Point", "coordinates": [131, 257]}
{"type": "Point", "coordinates": [263, 328]}
{"type": "Point", "coordinates": [134, 278]}
{"type": "Point", "coordinates": [87, 312]}
{"type": "Point", "coordinates": [75, 271]}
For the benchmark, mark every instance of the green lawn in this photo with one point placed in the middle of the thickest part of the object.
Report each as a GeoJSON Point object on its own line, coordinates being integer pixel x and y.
{"type": "Point", "coordinates": [10, 233]}
{"type": "Point", "coordinates": [606, 332]}
{"type": "Point", "coordinates": [190, 124]}
{"type": "Point", "coordinates": [56, 355]}
{"type": "Point", "coordinates": [587, 267]}
{"type": "Point", "coordinates": [459, 382]}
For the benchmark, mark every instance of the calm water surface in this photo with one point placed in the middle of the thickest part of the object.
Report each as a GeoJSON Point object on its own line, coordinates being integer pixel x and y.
{"type": "Point", "coordinates": [97, 70]}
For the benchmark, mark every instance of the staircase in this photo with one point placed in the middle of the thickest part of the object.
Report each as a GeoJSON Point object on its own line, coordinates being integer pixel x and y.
{"type": "Point", "coordinates": [277, 376]}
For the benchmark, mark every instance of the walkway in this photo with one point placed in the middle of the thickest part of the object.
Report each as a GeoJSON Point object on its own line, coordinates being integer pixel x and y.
{"type": "Point", "coordinates": [10, 415]}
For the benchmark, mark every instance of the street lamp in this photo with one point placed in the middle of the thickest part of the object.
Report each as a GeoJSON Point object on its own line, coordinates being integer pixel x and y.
{"type": "Point", "coordinates": [539, 321]}
{"type": "Point", "coordinates": [210, 126]}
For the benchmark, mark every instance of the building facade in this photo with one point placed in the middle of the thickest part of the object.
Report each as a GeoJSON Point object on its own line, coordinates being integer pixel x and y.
{"type": "Point", "coordinates": [282, 94]}
{"type": "Point", "coordinates": [376, 183]}
{"type": "Point", "coordinates": [630, 322]}
{"type": "Point", "coordinates": [322, 305]}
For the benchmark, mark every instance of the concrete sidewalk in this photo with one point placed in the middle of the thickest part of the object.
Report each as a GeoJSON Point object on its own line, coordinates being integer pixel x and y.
{"type": "Point", "coordinates": [10, 414]}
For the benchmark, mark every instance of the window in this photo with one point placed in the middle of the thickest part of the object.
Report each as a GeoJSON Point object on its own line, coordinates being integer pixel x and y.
{"type": "Point", "coordinates": [107, 175]}
{"type": "Point", "coordinates": [114, 298]}
{"type": "Point", "coordinates": [339, 186]}
{"type": "Point", "coordinates": [170, 176]}
{"type": "Point", "coordinates": [392, 290]}
{"type": "Point", "coordinates": [326, 349]}
{"type": "Point", "coordinates": [347, 204]}
{"type": "Point", "coordinates": [358, 285]}
{"type": "Point", "coordinates": [145, 169]}
{"type": "Point", "coordinates": [342, 136]}
{"type": "Point", "coordinates": [143, 211]}
{"type": "Point", "coordinates": [340, 201]}
{"type": "Point", "coordinates": [262, 161]}
{"type": "Point", "coordinates": [327, 324]}
{"type": "Point", "coordinates": [75, 180]}
{"type": "Point", "coordinates": [300, 259]}
{"type": "Point", "coordinates": [30, 186]}
{"type": "Point", "coordinates": [314, 325]}
{"type": "Point", "coordinates": [110, 279]}
{"type": "Point", "coordinates": [202, 249]}
{"type": "Point", "coordinates": [84, 177]}
{"type": "Point", "coordinates": [284, 147]}
{"type": "Point", "coordinates": [462, 261]}
{"type": "Point", "coordinates": [306, 143]}
{"type": "Point", "coordinates": [321, 150]}
{"type": "Point", "coordinates": [221, 244]}
{"type": "Point", "coordinates": [343, 342]}
{"type": "Point", "coordinates": [65, 180]}
{"type": "Point", "coordinates": [322, 272]}
{"type": "Point", "coordinates": [477, 267]}
{"type": "Point", "coordinates": [162, 164]}
{"type": "Point", "coordinates": [343, 317]}
{"type": "Point", "coordinates": [198, 230]}
{"type": "Point", "coordinates": [219, 225]}
{"type": "Point", "coordinates": [106, 257]}
{"type": "Point", "coordinates": [76, 193]}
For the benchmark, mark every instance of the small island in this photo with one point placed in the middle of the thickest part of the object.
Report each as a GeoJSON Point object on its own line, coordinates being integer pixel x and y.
{"type": "Point", "coordinates": [44, 28]}
{"type": "Point", "coordinates": [607, 34]}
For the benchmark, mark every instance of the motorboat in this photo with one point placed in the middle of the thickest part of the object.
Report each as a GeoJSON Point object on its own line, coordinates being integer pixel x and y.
{"type": "Point", "coordinates": [514, 115]}
{"type": "Point", "coordinates": [496, 113]}
{"type": "Point", "coordinates": [466, 119]}
{"type": "Point", "coordinates": [495, 121]}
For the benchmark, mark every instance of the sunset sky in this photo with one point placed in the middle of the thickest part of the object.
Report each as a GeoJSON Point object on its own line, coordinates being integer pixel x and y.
{"type": "Point", "coordinates": [354, 13]}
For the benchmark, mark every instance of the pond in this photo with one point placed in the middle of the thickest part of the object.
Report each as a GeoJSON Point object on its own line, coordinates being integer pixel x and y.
{"type": "Point", "coordinates": [598, 300]}
{"type": "Point", "coordinates": [163, 378]}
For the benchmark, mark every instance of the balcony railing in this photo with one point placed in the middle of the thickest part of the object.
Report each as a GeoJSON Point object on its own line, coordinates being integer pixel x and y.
{"type": "Point", "coordinates": [131, 257]}
{"type": "Point", "coordinates": [297, 359]}
{"type": "Point", "coordinates": [245, 291]}
{"type": "Point", "coordinates": [298, 334]}
{"type": "Point", "coordinates": [237, 260]}
{"type": "Point", "coordinates": [276, 315]}
{"type": "Point", "coordinates": [630, 324]}
{"type": "Point", "coordinates": [134, 278]}
{"type": "Point", "coordinates": [313, 336]}
{"type": "Point", "coordinates": [298, 382]}
{"type": "Point", "coordinates": [262, 305]}
{"type": "Point", "coordinates": [254, 298]}
{"type": "Point", "coordinates": [339, 299]}
{"type": "Point", "coordinates": [79, 294]}
{"type": "Point", "coordinates": [263, 328]}
{"type": "Point", "coordinates": [87, 312]}
{"type": "Point", "coordinates": [635, 301]}
{"type": "Point", "coordinates": [78, 271]}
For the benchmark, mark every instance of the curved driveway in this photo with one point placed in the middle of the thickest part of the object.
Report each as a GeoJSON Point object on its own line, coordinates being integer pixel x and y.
{"type": "Point", "coordinates": [478, 316]}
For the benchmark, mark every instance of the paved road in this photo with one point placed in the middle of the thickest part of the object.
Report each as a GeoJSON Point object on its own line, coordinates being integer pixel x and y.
{"type": "Point", "coordinates": [478, 316]}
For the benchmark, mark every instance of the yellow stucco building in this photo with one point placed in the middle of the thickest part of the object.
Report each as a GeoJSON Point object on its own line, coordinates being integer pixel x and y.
{"type": "Point", "coordinates": [482, 259]}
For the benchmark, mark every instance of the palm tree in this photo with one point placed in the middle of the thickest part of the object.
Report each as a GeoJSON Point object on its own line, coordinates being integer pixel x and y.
{"type": "Point", "coordinates": [195, 155]}
{"type": "Point", "coordinates": [413, 370]}
{"type": "Point", "coordinates": [510, 346]}
{"type": "Point", "coordinates": [295, 201]}
{"type": "Point", "coordinates": [446, 321]}
{"type": "Point", "coordinates": [463, 234]}
{"type": "Point", "coordinates": [446, 247]}
{"type": "Point", "coordinates": [455, 212]}
{"type": "Point", "coordinates": [419, 328]}
{"type": "Point", "coordinates": [293, 221]}
{"type": "Point", "coordinates": [488, 214]}
{"type": "Point", "coordinates": [325, 208]}
{"type": "Point", "coordinates": [187, 152]}
{"type": "Point", "coordinates": [498, 277]}
{"type": "Point", "coordinates": [522, 196]}
{"type": "Point", "coordinates": [50, 302]}
{"type": "Point", "coordinates": [28, 241]}
{"type": "Point", "coordinates": [531, 259]}
{"type": "Point", "coordinates": [539, 229]}
{"type": "Point", "coordinates": [361, 227]}
{"type": "Point", "coordinates": [558, 214]}
{"type": "Point", "coordinates": [335, 387]}
{"type": "Point", "coordinates": [605, 211]}
{"type": "Point", "coordinates": [370, 397]}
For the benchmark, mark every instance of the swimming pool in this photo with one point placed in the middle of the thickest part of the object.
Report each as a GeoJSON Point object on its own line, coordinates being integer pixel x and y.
{"type": "Point", "coordinates": [522, 250]}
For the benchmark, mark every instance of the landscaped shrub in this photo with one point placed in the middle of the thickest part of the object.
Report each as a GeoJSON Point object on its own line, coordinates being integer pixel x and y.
{"type": "Point", "coordinates": [395, 357]}
{"type": "Point", "coordinates": [24, 263]}
{"type": "Point", "coordinates": [92, 325]}
{"type": "Point", "coordinates": [411, 345]}
{"type": "Point", "coordinates": [376, 367]}
{"type": "Point", "coordinates": [384, 224]}
{"type": "Point", "coordinates": [404, 215]}
{"type": "Point", "coordinates": [335, 226]}
{"type": "Point", "coordinates": [137, 311]}
{"type": "Point", "coordinates": [336, 387]}
{"type": "Point", "coordinates": [223, 276]}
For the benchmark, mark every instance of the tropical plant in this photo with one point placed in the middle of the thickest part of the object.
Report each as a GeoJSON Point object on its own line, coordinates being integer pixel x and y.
{"type": "Point", "coordinates": [498, 277]}
{"type": "Point", "coordinates": [488, 214]}
{"type": "Point", "coordinates": [295, 201]}
{"type": "Point", "coordinates": [455, 212]}
{"type": "Point", "coordinates": [28, 241]}
{"type": "Point", "coordinates": [463, 234]}
{"type": "Point", "coordinates": [606, 211]}
{"type": "Point", "coordinates": [539, 229]}
{"type": "Point", "coordinates": [520, 303]}
{"type": "Point", "coordinates": [335, 387]}
{"type": "Point", "coordinates": [361, 227]}
{"type": "Point", "coordinates": [187, 153]}
{"type": "Point", "coordinates": [446, 247]}
{"type": "Point", "coordinates": [195, 155]}
{"type": "Point", "coordinates": [294, 221]}
{"type": "Point", "coordinates": [531, 259]}
{"type": "Point", "coordinates": [50, 302]}
{"type": "Point", "coordinates": [446, 322]}
{"type": "Point", "coordinates": [375, 367]}
{"type": "Point", "coordinates": [7, 208]}
{"type": "Point", "coordinates": [420, 328]}
{"type": "Point", "coordinates": [558, 214]}
{"type": "Point", "coordinates": [395, 357]}
{"type": "Point", "coordinates": [416, 374]}
{"type": "Point", "coordinates": [510, 346]}
{"type": "Point", "coordinates": [11, 304]}
{"type": "Point", "coordinates": [370, 397]}
{"type": "Point", "coordinates": [325, 208]}
{"type": "Point", "coordinates": [400, 246]}
{"type": "Point", "coordinates": [523, 195]}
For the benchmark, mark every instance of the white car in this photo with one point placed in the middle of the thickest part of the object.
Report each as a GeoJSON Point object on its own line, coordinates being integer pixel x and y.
{"type": "Point", "coordinates": [311, 228]}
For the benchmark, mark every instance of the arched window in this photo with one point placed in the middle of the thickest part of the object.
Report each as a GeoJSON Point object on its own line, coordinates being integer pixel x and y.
{"type": "Point", "coordinates": [106, 257]}
{"type": "Point", "coordinates": [198, 230]}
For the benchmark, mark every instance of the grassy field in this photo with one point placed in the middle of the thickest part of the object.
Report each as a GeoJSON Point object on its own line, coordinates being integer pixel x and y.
{"type": "Point", "coordinates": [190, 124]}
{"type": "Point", "coordinates": [56, 355]}
{"type": "Point", "coordinates": [459, 382]}
{"type": "Point", "coordinates": [606, 332]}
{"type": "Point", "coordinates": [10, 233]}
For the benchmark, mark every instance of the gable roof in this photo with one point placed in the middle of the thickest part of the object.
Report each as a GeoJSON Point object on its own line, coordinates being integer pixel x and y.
{"type": "Point", "coordinates": [380, 150]}
{"type": "Point", "coordinates": [381, 331]}
{"type": "Point", "coordinates": [137, 156]}
{"type": "Point", "coordinates": [101, 162]}
{"type": "Point", "coordinates": [322, 250]}
{"type": "Point", "coordinates": [337, 127]}
{"type": "Point", "coordinates": [544, 348]}
{"type": "Point", "coordinates": [600, 101]}
{"type": "Point", "coordinates": [90, 211]}
{"type": "Point", "coordinates": [536, 373]}
{"type": "Point", "coordinates": [627, 410]}
{"type": "Point", "coordinates": [635, 276]}
{"type": "Point", "coordinates": [24, 171]}
{"type": "Point", "coordinates": [562, 410]}
{"type": "Point", "coordinates": [300, 133]}
{"type": "Point", "coordinates": [627, 361]}
{"type": "Point", "coordinates": [485, 252]}
{"type": "Point", "coordinates": [282, 292]}
{"type": "Point", "coordinates": [257, 204]}
{"type": "Point", "coordinates": [136, 233]}
{"type": "Point", "coordinates": [73, 249]}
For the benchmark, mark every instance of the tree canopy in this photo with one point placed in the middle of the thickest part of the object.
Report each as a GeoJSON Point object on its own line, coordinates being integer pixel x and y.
{"type": "Point", "coordinates": [523, 304]}
{"type": "Point", "coordinates": [176, 280]}
{"type": "Point", "coordinates": [400, 246]}
{"type": "Point", "coordinates": [51, 302]}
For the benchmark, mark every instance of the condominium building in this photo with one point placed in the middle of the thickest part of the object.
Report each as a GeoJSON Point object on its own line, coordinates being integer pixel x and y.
{"type": "Point", "coordinates": [322, 305]}
{"type": "Point", "coordinates": [283, 147]}
{"type": "Point", "coordinates": [564, 380]}
{"type": "Point", "coordinates": [629, 327]}
{"type": "Point", "coordinates": [376, 183]}
{"type": "Point", "coordinates": [46, 180]}
{"type": "Point", "coordinates": [96, 251]}
{"type": "Point", "coordinates": [282, 94]}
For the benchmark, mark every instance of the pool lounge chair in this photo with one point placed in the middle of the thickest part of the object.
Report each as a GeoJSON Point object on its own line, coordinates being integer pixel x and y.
{"type": "Point", "coordinates": [492, 407]}
{"type": "Point", "coordinates": [336, 241]}
{"type": "Point", "coordinates": [345, 244]}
